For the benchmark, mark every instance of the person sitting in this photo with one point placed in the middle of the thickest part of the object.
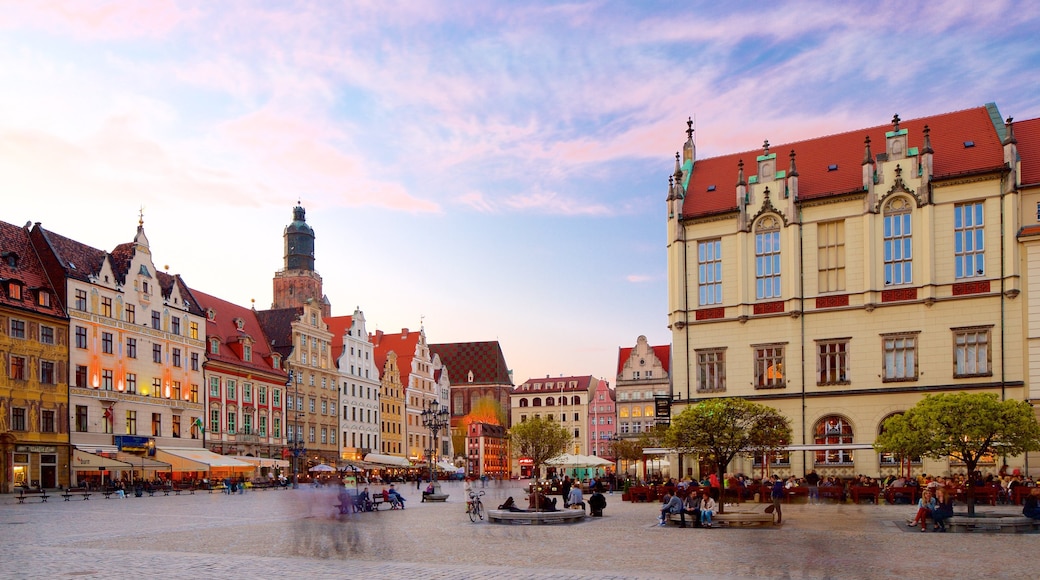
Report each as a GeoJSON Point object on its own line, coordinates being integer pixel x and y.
{"type": "Point", "coordinates": [672, 505]}
{"type": "Point", "coordinates": [510, 505]}
{"type": "Point", "coordinates": [428, 491]}
{"type": "Point", "coordinates": [925, 507]}
{"type": "Point", "coordinates": [692, 507]}
{"type": "Point", "coordinates": [363, 503]}
{"type": "Point", "coordinates": [1031, 504]}
{"type": "Point", "coordinates": [574, 498]}
{"type": "Point", "coordinates": [597, 502]}
{"type": "Point", "coordinates": [708, 507]}
{"type": "Point", "coordinates": [395, 499]}
{"type": "Point", "coordinates": [943, 509]}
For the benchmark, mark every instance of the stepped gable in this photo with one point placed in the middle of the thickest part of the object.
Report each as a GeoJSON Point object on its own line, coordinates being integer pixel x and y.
{"type": "Point", "coordinates": [484, 359]}
{"type": "Point", "coordinates": [662, 352]}
{"type": "Point", "coordinates": [402, 343]}
{"type": "Point", "coordinates": [949, 131]}
{"type": "Point", "coordinates": [27, 272]}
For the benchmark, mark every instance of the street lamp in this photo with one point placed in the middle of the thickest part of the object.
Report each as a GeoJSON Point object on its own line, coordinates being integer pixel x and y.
{"type": "Point", "coordinates": [296, 440]}
{"type": "Point", "coordinates": [615, 443]}
{"type": "Point", "coordinates": [436, 420]}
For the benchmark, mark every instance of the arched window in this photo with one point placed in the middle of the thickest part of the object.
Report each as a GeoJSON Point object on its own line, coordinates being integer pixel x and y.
{"type": "Point", "coordinates": [537, 402]}
{"type": "Point", "coordinates": [767, 258]}
{"type": "Point", "coordinates": [833, 431]}
{"type": "Point", "coordinates": [648, 411]}
{"type": "Point", "coordinates": [623, 411]}
{"type": "Point", "coordinates": [563, 400]}
{"type": "Point", "coordinates": [523, 402]}
{"type": "Point", "coordinates": [548, 401]}
{"type": "Point", "coordinates": [575, 400]}
{"type": "Point", "coordinates": [898, 242]}
{"type": "Point", "coordinates": [637, 411]}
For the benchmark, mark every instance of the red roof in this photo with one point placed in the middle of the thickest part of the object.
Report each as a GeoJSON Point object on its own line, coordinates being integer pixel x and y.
{"type": "Point", "coordinates": [224, 326]}
{"type": "Point", "coordinates": [548, 384]}
{"type": "Point", "coordinates": [338, 326]}
{"type": "Point", "coordinates": [1027, 133]}
{"type": "Point", "coordinates": [402, 343]}
{"type": "Point", "coordinates": [813, 158]}
{"type": "Point", "coordinates": [27, 274]}
{"type": "Point", "coordinates": [484, 359]}
{"type": "Point", "coordinates": [662, 352]}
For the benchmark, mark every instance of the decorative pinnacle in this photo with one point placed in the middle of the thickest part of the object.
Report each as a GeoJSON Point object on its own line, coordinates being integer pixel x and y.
{"type": "Point", "coordinates": [689, 128]}
{"type": "Point", "coordinates": [895, 122]}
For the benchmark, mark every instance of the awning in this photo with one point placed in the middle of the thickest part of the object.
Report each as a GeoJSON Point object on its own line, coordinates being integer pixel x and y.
{"type": "Point", "coordinates": [263, 461]}
{"type": "Point", "coordinates": [199, 460]}
{"type": "Point", "coordinates": [141, 462]}
{"type": "Point", "coordinates": [388, 460]}
{"type": "Point", "coordinates": [89, 461]}
{"type": "Point", "coordinates": [446, 466]}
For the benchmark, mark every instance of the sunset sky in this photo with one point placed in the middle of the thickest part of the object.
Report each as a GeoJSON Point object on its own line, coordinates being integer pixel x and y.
{"type": "Point", "coordinates": [492, 171]}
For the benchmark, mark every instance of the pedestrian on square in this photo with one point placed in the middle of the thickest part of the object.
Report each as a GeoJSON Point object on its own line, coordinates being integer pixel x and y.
{"type": "Point", "coordinates": [776, 494]}
{"type": "Point", "coordinates": [812, 479]}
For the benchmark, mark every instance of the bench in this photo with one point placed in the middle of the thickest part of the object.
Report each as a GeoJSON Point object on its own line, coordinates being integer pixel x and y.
{"type": "Point", "coordinates": [24, 494]}
{"type": "Point", "coordinates": [1006, 524]}
{"type": "Point", "coordinates": [732, 518]}
{"type": "Point", "coordinates": [76, 491]}
{"type": "Point", "coordinates": [858, 492]}
{"type": "Point", "coordinates": [535, 518]}
{"type": "Point", "coordinates": [832, 491]}
{"type": "Point", "coordinates": [177, 489]}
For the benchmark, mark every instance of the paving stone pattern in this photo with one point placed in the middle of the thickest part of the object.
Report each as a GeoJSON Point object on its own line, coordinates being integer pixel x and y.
{"type": "Point", "coordinates": [297, 532]}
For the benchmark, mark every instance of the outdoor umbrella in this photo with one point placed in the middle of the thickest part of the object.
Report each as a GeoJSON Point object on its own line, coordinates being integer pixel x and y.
{"type": "Point", "coordinates": [322, 467]}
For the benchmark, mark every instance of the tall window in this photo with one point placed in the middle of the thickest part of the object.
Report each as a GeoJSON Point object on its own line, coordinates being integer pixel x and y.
{"type": "Point", "coordinates": [231, 422]}
{"type": "Point", "coordinates": [156, 320]}
{"type": "Point", "coordinates": [229, 387]}
{"type": "Point", "coordinates": [261, 428]}
{"type": "Point", "coordinates": [175, 325]}
{"type": "Point", "coordinates": [131, 314]}
{"type": "Point", "coordinates": [157, 353]}
{"type": "Point", "coordinates": [214, 387]}
{"type": "Point", "coordinates": [46, 421]}
{"type": "Point", "coordinates": [194, 361]}
{"type": "Point", "coordinates": [711, 370]}
{"type": "Point", "coordinates": [971, 354]}
{"type": "Point", "coordinates": [832, 362]}
{"type": "Point", "coordinates": [247, 392]}
{"type": "Point", "coordinates": [193, 330]}
{"type": "Point", "coordinates": [769, 366]}
{"type": "Point", "coordinates": [81, 300]}
{"type": "Point", "coordinates": [47, 372]}
{"type": "Point", "coordinates": [176, 357]}
{"type": "Point", "coordinates": [767, 258]}
{"type": "Point", "coordinates": [709, 272]}
{"type": "Point", "coordinates": [176, 425]}
{"type": "Point", "coordinates": [899, 252]}
{"type": "Point", "coordinates": [247, 424]}
{"type": "Point", "coordinates": [106, 342]}
{"type": "Point", "coordinates": [968, 240]}
{"type": "Point", "coordinates": [47, 334]}
{"type": "Point", "coordinates": [193, 393]}
{"type": "Point", "coordinates": [156, 424]}
{"type": "Point", "coordinates": [81, 418]}
{"type": "Point", "coordinates": [131, 383]}
{"type": "Point", "coordinates": [830, 256]}
{"type": "Point", "coordinates": [81, 337]}
{"type": "Point", "coordinates": [106, 379]}
{"type": "Point", "coordinates": [833, 431]}
{"type": "Point", "coordinates": [17, 328]}
{"type": "Point", "coordinates": [106, 307]}
{"type": "Point", "coordinates": [131, 347]}
{"type": "Point", "coordinates": [18, 419]}
{"type": "Point", "coordinates": [900, 363]}
{"type": "Point", "coordinates": [214, 421]}
{"type": "Point", "coordinates": [276, 430]}
{"type": "Point", "coordinates": [131, 422]}
{"type": "Point", "coordinates": [81, 375]}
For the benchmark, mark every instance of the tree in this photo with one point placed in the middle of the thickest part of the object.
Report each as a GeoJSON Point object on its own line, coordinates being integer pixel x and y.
{"type": "Point", "coordinates": [627, 450]}
{"type": "Point", "coordinates": [721, 429]}
{"type": "Point", "coordinates": [539, 440]}
{"type": "Point", "coordinates": [964, 427]}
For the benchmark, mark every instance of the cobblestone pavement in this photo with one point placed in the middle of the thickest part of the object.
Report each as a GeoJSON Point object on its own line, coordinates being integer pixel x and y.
{"type": "Point", "coordinates": [296, 531]}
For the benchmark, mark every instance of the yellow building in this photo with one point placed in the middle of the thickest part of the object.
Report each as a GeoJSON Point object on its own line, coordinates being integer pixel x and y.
{"type": "Point", "coordinates": [34, 394]}
{"type": "Point", "coordinates": [391, 405]}
{"type": "Point", "coordinates": [841, 279]}
{"type": "Point", "coordinates": [561, 399]}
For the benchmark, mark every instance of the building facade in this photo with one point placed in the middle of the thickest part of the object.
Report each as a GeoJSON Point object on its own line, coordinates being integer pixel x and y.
{"type": "Point", "coordinates": [391, 405]}
{"type": "Point", "coordinates": [844, 283]}
{"type": "Point", "coordinates": [136, 347]}
{"type": "Point", "coordinates": [244, 384]}
{"type": "Point", "coordinates": [487, 450]}
{"type": "Point", "coordinates": [359, 394]}
{"type": "Point", "coordinates": [602, 417]}
{"type": "Point", "coordinates": [34, 401]}
{"type": "Point", "coordinates": [562, 399]}
{"type": "Point", "coordinates": [643, 377]}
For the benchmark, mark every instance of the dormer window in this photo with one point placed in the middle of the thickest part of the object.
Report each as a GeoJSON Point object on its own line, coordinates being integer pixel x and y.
{"type": "Point", "coordinates": [247, 353]}
{"type": "Point", "coordinates": [14, 290]}
{"type": "Point", "coordinates": [211, 314]}
{"type": "Point", "coordinates": [239, 324]}
{"type": "Point", "coordinates": [214, 346]}
{"type": "Point", "coordinates": [11, 259]}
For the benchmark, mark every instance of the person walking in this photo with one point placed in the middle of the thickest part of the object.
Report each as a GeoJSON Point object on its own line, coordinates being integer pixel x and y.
{"type": "Point", "coordinates": [812, 479]}
{"type": "Point", "coordinates": [777, 494]}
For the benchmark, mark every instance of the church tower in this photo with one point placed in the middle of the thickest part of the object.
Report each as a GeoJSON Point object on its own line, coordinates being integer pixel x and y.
{"type": "Point", "coordinates": [297, 283]}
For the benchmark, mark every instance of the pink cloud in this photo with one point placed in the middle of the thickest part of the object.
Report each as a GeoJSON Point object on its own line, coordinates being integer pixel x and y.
{"type": "Point", "coordinates": [104, 19]}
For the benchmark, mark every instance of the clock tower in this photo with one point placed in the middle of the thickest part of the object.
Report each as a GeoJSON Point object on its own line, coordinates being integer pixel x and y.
{"type": "Point", "coordinates": [297, 283]}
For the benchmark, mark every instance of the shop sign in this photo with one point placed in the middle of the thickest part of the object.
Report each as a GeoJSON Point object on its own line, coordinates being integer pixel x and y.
{"type": "Point", "coordinates": [131, 443]}
{"type": "Point", "coordinates": [35, 449]}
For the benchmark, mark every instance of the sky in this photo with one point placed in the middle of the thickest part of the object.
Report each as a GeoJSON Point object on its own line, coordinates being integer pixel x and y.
{"type": "Point", "coordinates": [485, 170]}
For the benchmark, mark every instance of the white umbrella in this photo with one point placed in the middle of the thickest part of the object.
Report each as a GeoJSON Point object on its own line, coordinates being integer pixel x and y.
{"type": "Point", "coordinates": [322, 467]}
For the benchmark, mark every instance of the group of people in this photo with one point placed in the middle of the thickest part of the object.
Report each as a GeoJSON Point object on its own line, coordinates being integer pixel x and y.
{"type": "Point", "coordinates": [701, 506]}
{"type": "Point", "coordinates": [362, 502]}
{"type": "Point", "coordinates": [937, 505]}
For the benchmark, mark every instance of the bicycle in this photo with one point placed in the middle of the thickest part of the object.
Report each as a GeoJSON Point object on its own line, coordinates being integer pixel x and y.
{"type": "Point", "coordinates": [475, 507]}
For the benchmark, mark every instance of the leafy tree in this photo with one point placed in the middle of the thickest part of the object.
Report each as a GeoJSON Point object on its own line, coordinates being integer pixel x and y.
{"type": "Point", "coordinates": [721, 429]}
{"type": "Point", "coordinates": [627, 450]}
{"type": "Point", "coordinates": [965, 427]}
{"type": "Point", "coordinates": [539, 440]}
{"type": "Point", "coordinates": [903, 442]}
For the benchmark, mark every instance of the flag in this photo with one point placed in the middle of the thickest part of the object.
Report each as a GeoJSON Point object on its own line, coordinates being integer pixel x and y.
{"type": "Point", "coordinates": [109, 414]}
{"type": "Point", "coordinates": [197, 423]}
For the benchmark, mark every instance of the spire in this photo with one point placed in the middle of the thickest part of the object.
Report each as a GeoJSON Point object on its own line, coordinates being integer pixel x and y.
{"type": "Point", "coordinates": [792, 171]}
{"type": "Point", "coordinates": [1009, 132]}
{"type": "Point", "coordinates": [689, 128]}
{"type": "Point", "coordinates": [690, 148]}
{"type": "Point", "coordinates": [678, 168]}
{"type": "Point", "coordinates": [868, 157]}
{"type": "Point", "coordinates": [671, 188]}
{"type": "Point", "coordinates": [740, 174]}
{"type": "Point", "coordinates": [927, 148]}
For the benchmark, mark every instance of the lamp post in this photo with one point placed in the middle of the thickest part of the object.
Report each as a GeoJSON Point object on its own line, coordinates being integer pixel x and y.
{"type": "Point", "coordinates": [615, 442]}
{"type": "Point", "coordinates": [295, 441]}
{"type": "Point", "coordinates": [436, 420]}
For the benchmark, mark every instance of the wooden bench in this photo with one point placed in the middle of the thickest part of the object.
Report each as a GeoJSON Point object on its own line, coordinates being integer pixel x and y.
{"type": "Point", "coordinates": [858, 492]}
{"type": "Point", "coordinates": [24, 494]}
{"type": "Point", "coordinates": [177, 489]}
{"type": "Point", "coordinates": [535, 518]}
{"type": "Point", "coordinates": [731, 518]}
{"type": "Point", "coordinates": [82, 491]}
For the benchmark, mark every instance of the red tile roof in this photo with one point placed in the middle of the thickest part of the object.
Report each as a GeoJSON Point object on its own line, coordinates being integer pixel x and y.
{"type": "Point", "coordinates": [28, 274]}
{"type": "Point", "coordinates": [662, 352]}
{"type": "Point", "coordinates": [79, 260]}
{"type": "Point", "coordinates": [338, 326]}
{"type": "Point", "coordinates": [277, 325]}
{"type": "Point", "coordinates": [949, 131]}
{"type": "Point", "coordinates": [1027, 133]}
{"type": "Point", "coordinates": [402, 343]}
{"type": "Point", "coordinates": [224, 327]}
{"type": "Point", "coordinates": [484, 359]}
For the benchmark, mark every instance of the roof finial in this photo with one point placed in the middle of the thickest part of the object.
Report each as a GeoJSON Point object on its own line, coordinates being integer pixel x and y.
{"type": "Point", "coordinates": [678, 168]}
{"type": "Point", "coordinates": [740, 174]}
{"type": "Point", "coordinates": [765, 145]}
{"type": "Point", "coordinates": [689, 128]}
{"type": "Point", "coordinates": [140, 217]}
{"type": "Point", "coordinates": [1009, 131]}
{"type": "Point", "coordinates": [895, 122]}
{"type": "Point", "coordinates": [868, 158]}
{"type": "Point", "coordinates": [793, 171]}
